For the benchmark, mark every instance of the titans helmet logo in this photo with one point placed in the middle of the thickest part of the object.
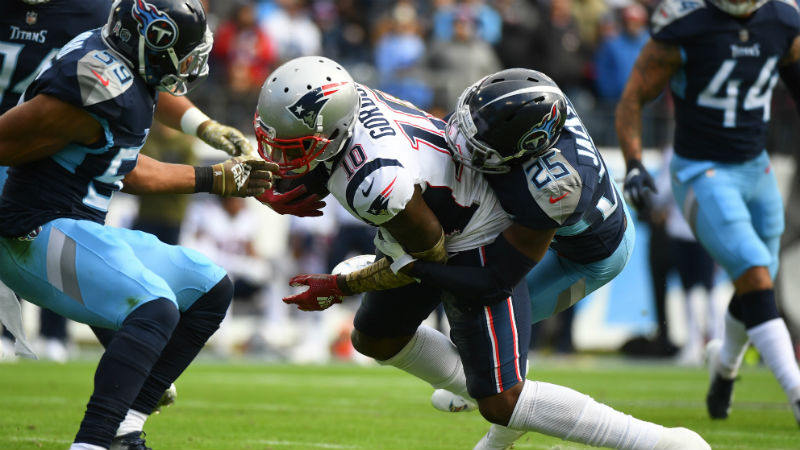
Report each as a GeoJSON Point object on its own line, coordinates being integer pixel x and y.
{"type": "Point", "coordinates": [158, 30]}
{"type": "Point", "coordinates": [539, 137]}
{"type": "Point", "coordinates": [307, 108]}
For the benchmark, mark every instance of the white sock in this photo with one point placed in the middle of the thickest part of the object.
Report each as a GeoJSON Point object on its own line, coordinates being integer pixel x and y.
{"type": "Point", "coordinates": [733, 347]}
{"type": "Point", "coordinates": [773, 342]}
{"type": "Point", "coordinates": [85, 446]}
{"type": "Point", "coordinates": [565, 413]}
{"type": "Point", "coordinates": [430, 356]}
{"type": "Point", "coordinates": [133, 421]}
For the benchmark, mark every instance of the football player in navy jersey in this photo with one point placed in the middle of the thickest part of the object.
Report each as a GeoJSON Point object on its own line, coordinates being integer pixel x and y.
{"type": "Point", "coordinates": [71, 143]}
{"type": "Point", "coordinates": [393, 166]}
{"type": "Point", "coordinates": [721, 59]}
{"type": "Point", "coordinates": [33, 31]}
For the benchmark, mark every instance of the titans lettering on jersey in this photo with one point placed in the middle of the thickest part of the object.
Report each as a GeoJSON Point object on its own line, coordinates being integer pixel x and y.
{"type": "Point", "coordinates": [78, 181]}
{"type": "Point", "coordinates": [724, 88]}
{"type": "Point", "coordinates": [569, 189]}
{"type": "Point", "coordinates": [394, 148]}
{"type": "Point", "coordinates": [31, 35]}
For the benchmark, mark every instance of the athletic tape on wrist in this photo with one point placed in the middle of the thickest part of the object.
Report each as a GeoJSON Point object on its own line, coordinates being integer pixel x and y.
{"type": "Point", "coordinates": [192, 119]}
{"type": "Point", "coordinates": [203, 178]}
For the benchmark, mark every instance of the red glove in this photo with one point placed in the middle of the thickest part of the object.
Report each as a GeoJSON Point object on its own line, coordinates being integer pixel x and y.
{"type": "Point", "coordinates": [323, 291]}
{"type": "Point", "coordinates": [285, 203]}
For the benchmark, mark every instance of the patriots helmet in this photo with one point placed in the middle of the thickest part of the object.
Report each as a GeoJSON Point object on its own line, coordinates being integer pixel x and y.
{"type": "Point", "coordinates": [514, 113]}
{"type": "Point", "coordinates": [166, 41]}
{"type": "Point", "coordinates": [306, 112]}
{"type": "Point", "coordinates": [738, 8]}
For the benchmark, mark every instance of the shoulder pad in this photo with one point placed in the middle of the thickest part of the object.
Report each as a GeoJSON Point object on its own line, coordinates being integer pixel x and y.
{"type": "Point", "coordinates": [791, 3]}
{"type": "Point", "coordinates": [669, 11]}
{"type": "Point", "coordinates": [557, 192]}
{"type": "Point", "coordinates": [379, 190]}
{"type": "Point", "coordinates": [101, 77]}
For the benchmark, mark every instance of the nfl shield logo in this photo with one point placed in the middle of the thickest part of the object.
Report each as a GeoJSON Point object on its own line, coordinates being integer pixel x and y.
{"type": "Point", "coordinates": [31, 17]}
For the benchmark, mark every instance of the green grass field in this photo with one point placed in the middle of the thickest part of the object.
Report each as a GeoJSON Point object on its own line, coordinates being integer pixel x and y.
{"type": "Point", "coordinates": [246, 405]}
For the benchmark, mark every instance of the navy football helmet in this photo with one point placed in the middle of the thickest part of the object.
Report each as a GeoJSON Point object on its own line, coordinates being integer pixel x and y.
{"type": "Point", "coordinates": [166, 41]}
{"type": "Point", "coordinates": [514, 113]}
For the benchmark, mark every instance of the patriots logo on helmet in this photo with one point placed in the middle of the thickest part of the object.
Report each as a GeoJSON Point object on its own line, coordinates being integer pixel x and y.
{"type": "Point", "coordinates": [540, 135]}
{"type": "Point", "coordinates": [159, 30]}
{"type": "Point", "coordinates": [308, 107]}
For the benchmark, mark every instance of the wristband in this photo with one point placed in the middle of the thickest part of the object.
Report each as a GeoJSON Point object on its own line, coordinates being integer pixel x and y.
{"type": "Point", "coordinates": [203, 178]}
{"type": "Point", "coordinates": [191, 120]}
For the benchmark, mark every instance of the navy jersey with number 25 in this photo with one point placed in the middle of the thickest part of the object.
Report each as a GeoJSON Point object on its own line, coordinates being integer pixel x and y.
{"type": "Point", "coordinates": [570, 189]}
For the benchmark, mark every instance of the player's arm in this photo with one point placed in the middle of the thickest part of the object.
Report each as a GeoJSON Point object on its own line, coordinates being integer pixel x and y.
{"type": "Point", "coordinates": [239, 177]}
{"type": "Point", "coordinates": [654, 66]}
{"type": "Point", "coordinates": [180, 113]}
{"type": "Point", "coordinates": [415, 228]}
{"type": "Point", "coordinates": [519, 247]}
{"type": "Point", "coordinates": [789, 69]}
{"type": "Point", "coordinates": [41, 127]}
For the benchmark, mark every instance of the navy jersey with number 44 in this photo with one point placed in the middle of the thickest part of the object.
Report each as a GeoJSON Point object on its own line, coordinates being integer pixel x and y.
{"type": "Point", "coordinates": [724, 87]}
{"type": "Point", "coordinates": [570, 189]}
{"type": "Point", "coordinates": [78, 181]}
{"type": "Point", "coordinates": [31, 35]}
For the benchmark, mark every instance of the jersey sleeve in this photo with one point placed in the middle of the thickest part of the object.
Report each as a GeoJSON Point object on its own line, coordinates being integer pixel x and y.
{"type": "Point", "coordinates": [94, 82]}
{"type": "Point", "coordinates": [669, 20]}
{"type": "Point", "coordinates": [379, 191]}
{"type": "Point", "coordinates": [541, 193]}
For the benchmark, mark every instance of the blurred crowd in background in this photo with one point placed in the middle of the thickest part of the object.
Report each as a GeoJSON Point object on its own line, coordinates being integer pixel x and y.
{"type": "Point", "coordinates": [426, 52]}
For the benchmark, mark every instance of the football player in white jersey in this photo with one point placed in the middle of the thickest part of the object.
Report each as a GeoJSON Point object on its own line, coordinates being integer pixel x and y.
{"type": "Point", "coordinates": [390, 165]}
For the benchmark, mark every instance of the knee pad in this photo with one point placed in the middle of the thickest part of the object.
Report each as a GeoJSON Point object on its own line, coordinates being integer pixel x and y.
{"type": "Point", "coordinates": [754, 308]}
{"type": "Point", "coordinates": [150, 324]}
{"type": "Point", "coordinates": [216, 300]}
{"type": "Point", "coordinates": [205, 315]}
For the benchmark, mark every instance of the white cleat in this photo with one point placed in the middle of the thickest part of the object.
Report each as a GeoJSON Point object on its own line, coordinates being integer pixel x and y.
{"type": "Point", "coordinates": [680, 438]}
{"type": "Point", "coordinates": [446, 401]}
{"type": "Point", "coordinates": [498, 438]}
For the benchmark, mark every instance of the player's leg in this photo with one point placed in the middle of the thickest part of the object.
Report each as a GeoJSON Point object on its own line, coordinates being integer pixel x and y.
{"type": "Point", "coordinates": [86, 272]}
{"type": "Point", "coordinates": [203, 293]}
{"type": "Point", "coordinates": [736, 213]}
{"type": "Point", "coordinates": [556, 283]}
{"type": "Point", "coordinates": [387, 328]}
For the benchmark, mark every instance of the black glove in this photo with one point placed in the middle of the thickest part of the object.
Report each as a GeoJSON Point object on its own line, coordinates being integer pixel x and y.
{"type": "Point", "coordinates": [639, 186]}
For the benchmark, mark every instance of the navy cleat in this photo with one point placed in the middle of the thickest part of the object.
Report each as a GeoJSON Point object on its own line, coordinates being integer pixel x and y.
{"type": "Point", "coordinates": [130, 441]}
{"type": "Point", "coordinates": [718, 399]}
{"type": "Point", "coordinates": [720, 392]}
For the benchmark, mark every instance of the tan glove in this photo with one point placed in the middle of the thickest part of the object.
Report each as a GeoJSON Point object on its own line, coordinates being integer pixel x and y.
{"type": "Point", "coordinates": [225, 138]}
{"type": "Point", "coordinates": [242, 176]}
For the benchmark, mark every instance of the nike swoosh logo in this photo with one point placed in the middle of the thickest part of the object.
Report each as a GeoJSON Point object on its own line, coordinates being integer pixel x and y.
{"type": "Point", "coordinates": [369, 188]}
{"type": "Point", "coordinates": [557, 199]}
{"type": "Point", "coordinates": [99, 77]}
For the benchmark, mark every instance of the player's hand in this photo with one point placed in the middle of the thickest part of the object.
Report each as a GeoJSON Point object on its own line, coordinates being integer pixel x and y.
{"type": "Point", "coordinates": [323, 291]}
{"type": "Point", "coordinates": [242, 176]}
{"type": "Point", "coordinates": [639, 186]}
{"type": "Point", "coordinates": [225, 138]}
{"type": "Point", "coordinates": [288, 203]}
